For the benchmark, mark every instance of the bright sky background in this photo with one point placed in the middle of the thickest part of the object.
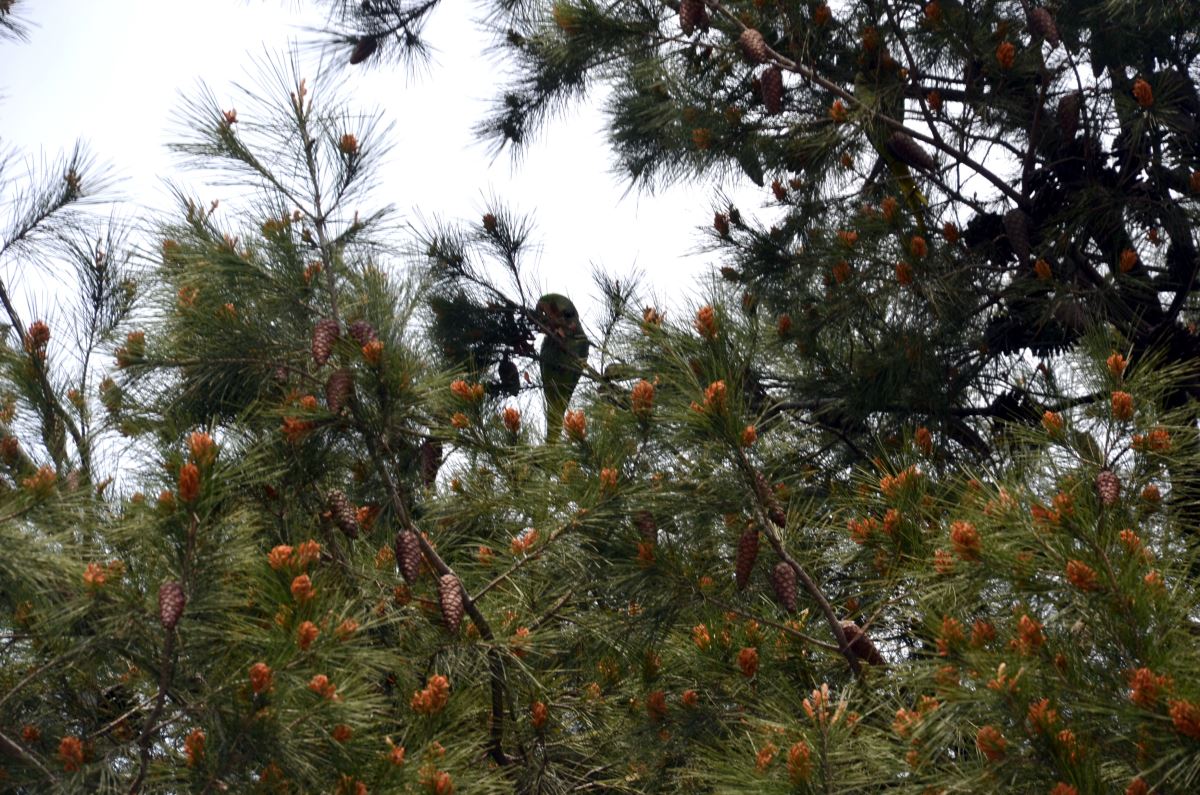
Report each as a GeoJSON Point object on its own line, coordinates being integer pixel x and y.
{"type": "Point", "coordinates": [111, 73]}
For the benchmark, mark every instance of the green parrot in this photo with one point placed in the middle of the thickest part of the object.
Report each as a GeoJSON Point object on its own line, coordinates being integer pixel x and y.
{"type": "Point", "coordinates": [562, 357]}
{"type": "Point", "coordinates": [885, 95]}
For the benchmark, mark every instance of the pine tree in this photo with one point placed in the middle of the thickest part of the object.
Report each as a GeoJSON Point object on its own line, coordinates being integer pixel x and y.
{"type": "Point", "coordinates": [974, 206]}
{"type": "Point", "coordinates": [986, 536]}
{"type": "Point", "coordinates": [958, 189]}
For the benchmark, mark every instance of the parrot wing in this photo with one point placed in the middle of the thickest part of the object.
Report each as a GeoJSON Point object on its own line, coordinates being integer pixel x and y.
{"type": "Point", "coordinates": [562, 357]}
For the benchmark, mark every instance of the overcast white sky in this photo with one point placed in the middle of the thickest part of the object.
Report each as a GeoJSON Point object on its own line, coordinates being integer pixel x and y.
{"type": "Point", "coordinates": [111, 73]}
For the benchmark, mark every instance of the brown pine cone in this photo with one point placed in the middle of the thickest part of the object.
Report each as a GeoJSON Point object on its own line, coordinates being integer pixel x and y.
{"type": "Point", "coordinates": [754, 46]}
{"type": "Point", "coordinates": [747, 553]}
{"type": "Point", "coordinates": [1108, 486]}
{"type": "Point", "coordinates": [647, 527]}
{"type": "Point", "coordinates": [430, 454]}
{"type": "Point", "coordinates": [692, 15]}
{"type": "Point", "coordinates": [1068, 114]}
{"type": "Point", "coordinates": [1016, 227]}
{"type": "Point", "coordinates": [325, 334]}
{"type": "Point", "coordinates": [767, 496]}
{"type": "Point", "coordinates": [771, 84]}
{"type": "Point", "coordinates": [408, 555]}
{"type": "Point", "coordinates": [450, 594]}
{"type": "Point", "coordinates": [908, 151]}
{"type": "Point", "coordinates": [363, 50]}
{"type": "Point", "coordinates": [508, 377]}
{"type": "Point", "coordinates": [338, 388]}
{"type": "Point", "coordinates": [1042, 24]}
{"type": "Point", "coordinates": [362, 332]}
{"type": "Point", "coordinates": [344, 514]}
{"type": "Point", "coordinates": [171, 600]}
{"type": "Point", "coordinates": [783, 581]}
{"type": "Point", "coordinates": [861, 645]}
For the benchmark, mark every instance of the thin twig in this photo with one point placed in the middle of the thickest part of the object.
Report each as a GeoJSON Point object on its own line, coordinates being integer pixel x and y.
{"type": "Point", "coordinates": [781, 627]}
{"type": "Point", "coordinates": [48, 392]}
{"type": "Point", "coordinates": [16, 749]}
{"type": "Point", "coordinates": [554, 608]}
{"type": "Point", "coordinates": [147, 737]}
{"type": "Point", "coordinates": [504, 575]}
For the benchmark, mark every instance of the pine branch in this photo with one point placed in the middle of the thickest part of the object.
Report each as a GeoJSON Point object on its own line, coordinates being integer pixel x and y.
{"type": "Point", "coordinates": [813, 76]}
{"type": "Point", "coordinates": [495, 661]}
{"type": "Point", "coordinates": [15, 749]}
{"type": "Point", "coordinates": [784, 628]}
{"type": "Point", "coordinates": [810, 585]}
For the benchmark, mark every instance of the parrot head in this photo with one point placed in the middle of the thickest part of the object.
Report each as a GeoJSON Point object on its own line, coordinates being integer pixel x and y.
{"type": "Point", "coordinates": [559, 315]}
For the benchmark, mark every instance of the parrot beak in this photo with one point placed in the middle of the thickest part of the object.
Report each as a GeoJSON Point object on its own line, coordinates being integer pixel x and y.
{"type": "Point", "coordinates": [553, 318]}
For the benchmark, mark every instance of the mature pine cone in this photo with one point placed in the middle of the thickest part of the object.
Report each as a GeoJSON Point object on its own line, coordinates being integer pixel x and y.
{"type": "Point", "coordinates": [771, 84]}
{"type": "Point", "coordinates": [450, 594]}
{"type": "Point", "coordinates": [325, 334]}
{"type": "Point", "coordinates": [692, 15]}
{"type": "Point", "coordinates": [908, 151]}
{"type": "Point", "coordinates": [344, 515]}
{"type": "Point", "coordinates": [1016, 228]}
{"type": "Point", "coordinates": [1042, 24]}
{"type": "Point", "coordinates": [363, 332]}
{"type": "Point", "coordinates": [171, 600]}
{"type": "Point", "coordinates": [1108, 486]}
{"type": "Point", "coordinates": [509, 377]}
{"type": "Point", "coordinates": [1068, 114]}
{"type": "Point", "coordinates": [783, 580]}
{"type": "Point", "coordinates": [430, 454]}
{"type": "Point", "coordinates": [363, 49]}
{"type": "Point", "coordinates": [861, 645]}
{"type": "Point", "coordinates": [767, 496]}
{"type": "Point", "coordinates": [338, 388]}
{"type": "Point", "coordinates": [647, 527]}
{"type": "Point", "coordinates": [747, 553]}
{"type": "Point", "coordinates": [754, 46]}
{"type": "Point", "coordinates": [408, 555]}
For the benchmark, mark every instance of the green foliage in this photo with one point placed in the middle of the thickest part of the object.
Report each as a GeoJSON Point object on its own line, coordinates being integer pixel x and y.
{"type": "Point", "coordinates": [940, 407]}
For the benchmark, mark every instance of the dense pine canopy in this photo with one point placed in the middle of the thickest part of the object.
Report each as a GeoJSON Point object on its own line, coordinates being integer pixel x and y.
{"type": "Point", "coordinates": [293, 499]}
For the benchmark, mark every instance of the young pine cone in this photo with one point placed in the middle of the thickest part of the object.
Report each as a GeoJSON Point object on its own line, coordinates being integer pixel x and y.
{"type": "Point", "coordinates": [450, 594]}
{"type": "Point", "coordinates": [783, 581]}
{"type": "Point", "coordinates": [909, 152]}
{"type": "Point", "coordinates": [754, 46]}
{"type": "Point", "coordinates": [860, 644]}
{"type": "Point", "coordinates": [170, 604]}
{"type": "Point", "coordinates": [1108, 486]}
{"type": "Point", "coordinates": [692, 15]}
{"type": "Point", "coordinates": [747, 553]}
{"type": "Point", "coordinates": [771, 84]}
{"type": "Point", "coordinates": [1042, 24]}
{"type": "Point", "coordinates": [408, 555]}
{"type": "Point", "coordinates": [338, 388]}
{"type": "Point", "coordinates": [344, 515]}
{"type": "Point", "coordinates": [325, 334]}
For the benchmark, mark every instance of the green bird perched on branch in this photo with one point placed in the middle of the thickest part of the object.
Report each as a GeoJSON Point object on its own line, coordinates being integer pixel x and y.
{"type": "Point", "coordinates": [898, 153]}
{"type": "Point", "coordinates": [562, 357]}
